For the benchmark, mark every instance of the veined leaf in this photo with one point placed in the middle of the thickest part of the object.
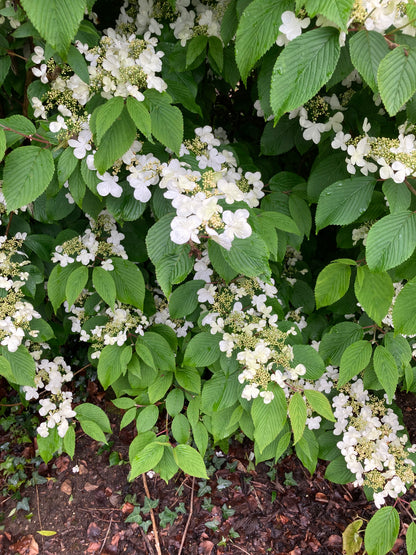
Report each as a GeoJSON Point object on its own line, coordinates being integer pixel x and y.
{"type": "Point", "coordinates": [338, 11]}
{"type": "Point", "coordinates": [332, 283]}
{"type": "Point", "coordinates": [386, 370]}
{"type": "Point", "coordinates": [297, 415]}
{"type": "Point", "coordinates": [382, 531]}
{"type": "Point", "coordinates": [374, 292]}
{"type": "Point", "coordinates": [353, 360]}
{"type": "Point", "coordinates": [397, 78]}
{"type": "Point", "coordinates": [367, 49]}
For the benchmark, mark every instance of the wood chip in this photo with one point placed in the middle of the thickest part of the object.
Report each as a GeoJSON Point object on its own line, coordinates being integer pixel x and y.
{"type": "Point", "coordinates": [66, 487]}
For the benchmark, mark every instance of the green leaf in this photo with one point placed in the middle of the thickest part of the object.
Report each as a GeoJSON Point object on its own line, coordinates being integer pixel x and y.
{"type": "Point", "coordinates": [144, 353]}
{"type": "Point", "coordinates": [6, 371]}
{"type": "Point", "coordinates": [216, 53]}
{"type": "Point", "coordinates": [17, 125]}
{"type": "Point", "coordinates": [160, 349]}
{"type": "Point", "coordinates": [174, 402]}
{"type": "Point", "coordinates": [22, 365]}
{"type": "Point", "coordinates": [397, 78]}
{"type": "Point", "coordinates": [391, 241]}
{"type": "Point", "coordinates": [200, 435]}
{"type": "Point", "coordinates": [78, 63]}
{"type": "Point", "coordinates": [269, 419]}
{"type": "Point", "coordinates": [399, 347]}
{"type": "Point", "coordinates": [167, 120]}
{"type": "Point", "coordinates": [195, 47]}
{"type": "Point", "coordinates": [157, 390]}
{"type": "Point", "coordinates": [2, 143]}
{"type": "Point", "coordinates": [280, 221]}
{"type": "Point", "coordinates": [103, 283]}
{"type": "Point", "coordinates": [202, 350]}
{"type": "Point", "coordinates": [351, 539]}
{"type": "Point", "coordinates": [302, 68]}
{"type": "Point", "coordinates": [88, 411]}
{"type": "Point", "coordinates": [190, 461]}
{"type": "Point", "coordinates": [57, 284]}
{"type": "Point", "coordinates": [398, 196]}
{"type": "Point", "coordinates": [147, 418]}
{"type": "Point", "coordinates": [257, 31]}
{"type": "Point", "coordinates": [113, 363]}
{"type": "Point", "coordinates": [338, 473]}
{"type": "Point", "coordinates": [367, 49]}
{"type": "Point", "coordinates": [76, 282]}
{"type": "Point", "coordinates": [180, 428]}
{"type": "Point", "coordinates": [411, 539]}
{"type": "Point", "coordinates": [184, 298]}
{"type": "Point", "coordinates": [49, 445]}
{"type": "Point", "coordinates": [129, 282]}
{"type": "Point", "coordinates": [115, 141]}
{"type": "Point", "coordinates": [105, 115]}
{"type": "Point", "coordinates": [306, 355]}
{"type": "Point", "coordinates": [140, 115]}
{"type": "Point", "coordinates": [146, 460]}
{"type": "Point", "coordinates": [69, 441]}
{"type": "Point", "coordinates": [354, 359]}
{"type": "Point", "coordinates": [218, 262]}
{"type": "Point", "coordinates": [56, 20]}
{"type": "Point", "coordinates": [386, 370]}
{"type": "Point", "coordinates": [248, 256]}
{"type": "Point", "coordinates": [334, 343]}
{"type": "Point", "coordinates": [404, 309]}
{"type": "Point", "coordinates": [344, 201]}
{"type": "Point", "coordinates": [66, 165]}
{"type": "Point", "coordinates": [297, 415]}
{"type": "Point", "coordinates": [319, 403]}
{"type": "Point", "coordinates": [374, 292]}
{"type": "Point", "coordinates": [339, 12]}
{"type": "Point", "coordinates": [332, 284]}
{"type": "Point", "coordinates": [28, 171]}
{"type": "Point", "coordinates": [382, 531]}
{"type": "Point", "coordinates": [307, 449]}
{"type": "Point", "coordinates": [189, 379]}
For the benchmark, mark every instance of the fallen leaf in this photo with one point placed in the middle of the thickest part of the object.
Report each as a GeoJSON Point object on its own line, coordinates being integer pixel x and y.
{"type": "Point", "coordinates": [206, 547]}
{"type": "Point", "coordinates": [94, 547]}
{"type": "Point", "coordinates": [93, 531]}
{"type": "Point", "coordinates": [46, 532]}
{"type": "Point", "coordinates": [66, 487]}
{"type": "Point", "coordinates": [27, 545]}
{"type": "Point", "coordinates": [127, 508]}
{"type": "Point", "coordinates": [321, 497]}
{"type": "Point", "coordinates": [90, 487]}
{"type": "Point", "coordinates": [62, 463]}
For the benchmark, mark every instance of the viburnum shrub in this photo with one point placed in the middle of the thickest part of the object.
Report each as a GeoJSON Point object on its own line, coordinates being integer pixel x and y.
{"type": "Point", "coordinates": [213, 204]}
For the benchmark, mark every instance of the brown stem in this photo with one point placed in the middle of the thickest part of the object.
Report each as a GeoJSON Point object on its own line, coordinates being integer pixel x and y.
{"type": "Point", "coordinates": [152, 516]}
{"type": "Point", "coordinates": [30, 137]}
{"type": "Point", "coordinates": [410, 187]}
{"type": "Point", "coordinates": [191, 510]}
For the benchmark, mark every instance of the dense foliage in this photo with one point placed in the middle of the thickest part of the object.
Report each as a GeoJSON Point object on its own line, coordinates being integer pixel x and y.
{"type": "Point", "coordinates": [211, 203]}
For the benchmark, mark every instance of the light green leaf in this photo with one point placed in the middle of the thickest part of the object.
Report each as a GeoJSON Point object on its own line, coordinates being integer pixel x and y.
{"type": "Point", "coordinates": [269, 418]}
{"type": "Point", "coordinates": [140, 115]}
{"type": "Point", "coordinates": [157, 390]}
{"type": "Point", "coordinates": [344, 201]}
{"type": "Point", "coordinates": [367, 49]}
{"type": "Point", "coordinates": [160, 349]}
{"type": "Point", "coordinates": [280, 221]}
{"type": "Point", "coordinates": [338, 473]}
{"type": "Point", "coordinates": [218, 262]}
{"type": "Point", "coordinates": [397, 78]}
{"type": "Point", "coordinates": [184, 298]}
{"type": "Point", "coordinates": [105, 115]}
{"type": "Point", "coordinates": [319, 403]}
{"type": "Point", "coordinates": [397, 194]}
{"type": "Point", "coordinates": [147, 418]}
{"type": "Point", "coordinates": [382, 531]}
{"type": "Point", "coordinates": [66, 165]}
{"type": "Point", "coordinates": [69, 441]}
{"type": "Point", "coordinates": [174, 268]}
{"type": "Point", "coordinates": [174, 402]}
{"type": "Point", "coordinates": [88, 411]}
{"type": "Point", "coordinates": [113, 363]}
{"type": "Point", "coordinates": [22, 365]}
{"type": "Point", "coordinates": [257, 31]}
{"type": "Point", "coordinates": [404, 309]}
{"type": "Point", "coordinates": [351, 539]}
{"type": "Point", "coordinates": [202, 350]}
{"type": "Point", "coordinates": [180, 428]}
{"type": "Point", "coordinates": [28, 171]}
{"type": "Point", "coordinates": [411, 539]}
{"type": "Point", "coordinates": [386, 370]}
{"type": "Point", "coordinates": [374, 292]}
{"type": "Point", "coordinates": [302, 68]}
{"type": "Point", "coordinates": [332, 284]}
{"type": "Point", "coordinates": [190, 461]}
{"type": "Point", "coordinates": [354, 359]}
{"type": "Point", "coordinates": [2, 143]}
{"type": "Point", "coordinates": [167, 120]}
{"type": "Point", "coordinates": [200, 435]}
{"type": "Point", "coordinates": [103, 283]}
{"type": "Point", "coordinates": [56, 20]}
{"type": "Point", "coordinates": [307, 449]}
{"type": "Point", "coordinates": [399, 347]}
{"type": "Point", "coordinates": [115, 141]}
{"type": "Point", "coordinates": [57, 284]}
{"type": "Point", "coordinates": [49, 445]}
{"type": "Point", "coordinates": [338, 12]}
{"type": "Point", "coordinates": [391, 241]}
{"type": "Point", "coordinates": [248, 256]}
{"type": "Point", "coordinates": [189, 379]}
{"type": "Point", "coordinates": [146, 460]}
{"type": "Point", "coordinates": [306, 355]}
{"type": "Point", "coordinates": [334, 343]}
{"type": "Point", "coordinates": [76, 282]}
{"type": "Point", "coordinates": [297, 415]}
{"type": "Point", "coordinates": [129, 282]}
{"type": "Point", "coordinates": [6, 371]}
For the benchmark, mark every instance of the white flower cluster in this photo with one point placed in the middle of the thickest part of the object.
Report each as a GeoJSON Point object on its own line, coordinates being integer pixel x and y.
{"type": "Point", "coordinates": [15, 312]}
{"type": "Point", "coordinates": [380, 15]}
{"type": "Point", "coordinates": [196, 195]}
{"type": "Point", "coordinates": [162, 316]}
{"type": "Point", "coordinates": [370, 443]}
{"type": "Point", "coordinates": [101, 240]}
{"type": "Point", "coordinates": [57, 409]}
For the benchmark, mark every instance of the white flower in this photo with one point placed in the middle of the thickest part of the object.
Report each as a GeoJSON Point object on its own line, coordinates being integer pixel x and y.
{"type": "Point", "coordinates": [108, 185]}
{"type": "Point", "coordinates": [41, 72]}
{"type": "Point", "coordinates": [107, 265]}
{"type": "Point", "coordinates": [251, 391]}
{"type": "Point", "coordinates": [82, 144]}
{"type": "Point", "coordinates": [185, 229]}
{"type": "Point", "coordinates": [292, 26]}
{"type": "Point", "coordinates": [39, 55]}
{"type": "Point", "coordinates": [56, 126]}
{"type": "Point", "coordinates": [268, 396]}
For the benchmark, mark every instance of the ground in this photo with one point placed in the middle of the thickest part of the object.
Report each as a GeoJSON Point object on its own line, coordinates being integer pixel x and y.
{"type": "Point", "coordinates": [242, 509]}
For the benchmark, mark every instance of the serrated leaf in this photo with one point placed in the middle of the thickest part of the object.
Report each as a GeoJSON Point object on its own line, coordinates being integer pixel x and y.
{"type": "Point", "coordinates": [397, 78]}
{"type": "Point", "coordinates": [147, 418]}
{"type": "Point", "coordinates": [374, 292]}
{"type": "Point", "coordinates": [88, 411]}
{"type": "Point", "coordinates": [386, 370]}
{"type": "Point", "coordinates": [106, 114]}
{"type": "Point", "coordinates": [353, 360]}
{"type": "Point", "coordinates": [129, 282]}
{"type": "Point", "coordinates": [146, 460]}
{"type": "Point", "coordinates": [189, 379]}
{"type": "Point", "coordinates": [113, 363]}
{"type": "Point", "coordinates": [195, 47]}
{"type": "Point", "coordinates": [167, 121]}
{"type": "Point", "coordinates": [202, 350]}
{"type": "Point", "coordinates": [398, 195]}
{"type": "Point", "coordinates": [181, 428]}
{"type": "Point", "coordinates": [248, 256]}
{"type": "Point", "coordinates": [382, 531]}
{"type": "Point", "coordinates": [404, 310]}
{"type": "Point", "coordinates": [22, 365]}
{"type": "Point", "coordinates": [103, 283]}
{"type": "Point", "coordinates": [76, 282]}
{"type": "Point", "coordinates": [332, 284]}
{"type": "Point", "coordinates": [257, 31]}
{"type": "Point", "coordinates": [160, 349]}
{"type": "Point", "coordinates": [306, 355]}
{"type": "Point", "coordinates": [411, 539]}
{"type": "Point", "coordinates": [184, 298]}
{"type": "Point", "coordinates": [367, 49]}
{"type": "Point", "coordinates": [140, 115]}
{"type": "Point", "coordinates": [338, 473]}
{"type": "Point", "coordinates": [338, 12]}
{"type": "Point", "coordinates": [32, 168]}
{"type": "Point", "coordinates": [391, 241]}
{"type": "Point", "coordinates": [319, 403]}
{"type": "Point", "coordinates": [297, 415]}
{"type": "Point", "coordinates": [56, 20]}
{"type": "Point", "coordinates": [334, 343]}
{"type": "Point", "coordinates": [190, 461]}
{"type": "Point", "coordinates": [302, 68]}
{"type": "Point", "coordinates": [269, 419]}
{"type": "Point", "coordinates": [344, 201]}
{"type": "Point", "coordinates": [2, 143]}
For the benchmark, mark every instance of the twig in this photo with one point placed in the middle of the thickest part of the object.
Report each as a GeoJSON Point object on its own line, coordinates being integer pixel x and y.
{"type": "Point", "coordinates": [106, 535]}
{"type": "Point", "coordinates": [146, 541]}
{"type": "Point", "coordinates": [191, 510]}
{"type": "Point", "coordinates": [152, 516]}
{"type": "Point", "coordinates": [241, 549]}
{"type": "Point", "coordinates": [38, 510]}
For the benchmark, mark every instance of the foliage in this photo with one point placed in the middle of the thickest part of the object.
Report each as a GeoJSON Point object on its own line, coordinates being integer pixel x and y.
{"type": "Point", "coordinates": [212, 204]}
